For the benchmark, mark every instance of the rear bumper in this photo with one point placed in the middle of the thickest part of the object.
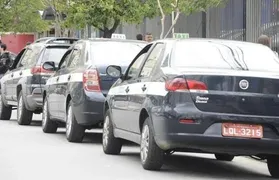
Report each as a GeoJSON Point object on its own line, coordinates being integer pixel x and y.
{"type": "Point", "coordinates": [35, 99]}
{"type": "Point", "coordinates": [90, 111]}
{"type": "Point", "coordinates": [205, 134]}
{"type": "Point", "coordinates": [215, 144]}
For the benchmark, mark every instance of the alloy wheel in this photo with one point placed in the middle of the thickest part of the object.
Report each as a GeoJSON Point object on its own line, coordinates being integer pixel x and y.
{"type": "Point", "coordinates": [69, 121]}
{"type": "Point", "coordinates": [45, 114]}
{"type": "Point", "coordinates": [19, 108]}
{"type": "Point", "coordinates": [106, 132]}
{"type": "Point", "coordinates": [0, 104]}
{"type": "Point", "coordinates": [144, 146]}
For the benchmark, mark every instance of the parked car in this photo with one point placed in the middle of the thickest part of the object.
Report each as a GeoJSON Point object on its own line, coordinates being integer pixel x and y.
{"type": "Point", "coordinates": [75, 94]}
{"type": "Point", "coordinates": [21, 87]}
{"type": "Point", "coordinates": [173, 98]}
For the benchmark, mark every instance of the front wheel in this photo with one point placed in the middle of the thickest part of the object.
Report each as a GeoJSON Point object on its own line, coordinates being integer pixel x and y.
{"type": "Point", "coordinates": [151, 155]}
{"type": "Point", "coordinates": [273, 166]}
{"type": "Point", "coordinates": [24, 116]}
{"type": "Point", "coordinates": [111, 145]}
{"type": "Point", "coordinates": [5, 111]}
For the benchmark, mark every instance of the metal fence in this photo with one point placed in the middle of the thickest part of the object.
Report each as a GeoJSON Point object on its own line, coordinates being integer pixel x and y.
{"type": "Point", "coordinates": [243, 20]}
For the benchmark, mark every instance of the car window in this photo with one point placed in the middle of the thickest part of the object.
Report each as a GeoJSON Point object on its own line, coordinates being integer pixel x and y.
{"type": "Point", "coordinates": [151, 60]}
{"type": "Point", "coordinates": [30, 56]}
{"type": "Point", "coordinates": [65, 60]}
{"type": "Point", "coordinates": [117, 53]}
{"type": "Point", "coordinates": [135, 67]}
{"type": "Point", "coordinates": [221, 55]}
{"type": "Point", "coordinates": [54, 54]}
{"type": "Point", "coordinates": [75, 58]}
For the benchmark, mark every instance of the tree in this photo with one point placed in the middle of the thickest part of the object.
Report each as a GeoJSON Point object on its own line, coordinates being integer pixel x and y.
{"type": "Point", "coordinates": [60, 9]}
{"type": "Point", "coordinates": [26, 17]}
{"type": "Point", "coordinates": [186, 7]}
{"type": "Point", "coordinates": [107, 15]}
{"type": "Point", "coordinates": [21, 16]}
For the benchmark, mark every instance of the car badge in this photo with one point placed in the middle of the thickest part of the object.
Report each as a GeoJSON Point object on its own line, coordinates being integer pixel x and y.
{"type": "Point", "coordinates": [244, 84]}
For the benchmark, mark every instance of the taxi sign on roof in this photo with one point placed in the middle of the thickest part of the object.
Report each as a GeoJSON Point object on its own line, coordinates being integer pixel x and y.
{"type": "Point", "coordinates": [181, 35]}
{"type": "Point", "coordinates": [118, 36]}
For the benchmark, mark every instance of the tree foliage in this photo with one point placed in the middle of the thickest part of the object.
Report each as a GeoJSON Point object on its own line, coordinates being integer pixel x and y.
{"type": "Point", "coordinates": [187, 7]}
{"type": "Point", "coordinates": [60, 9]}
{"type": "Point", "coordinates": [21, 16]}
{"type": "Point", "coordinates": [106, 15]}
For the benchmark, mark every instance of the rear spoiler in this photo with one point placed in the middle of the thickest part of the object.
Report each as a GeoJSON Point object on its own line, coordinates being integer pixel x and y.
{"type": "Point", "coordinates": [62, 40]}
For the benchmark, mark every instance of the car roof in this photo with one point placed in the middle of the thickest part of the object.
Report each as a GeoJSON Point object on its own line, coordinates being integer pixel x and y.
{"type": "Point", "coordinates": [224, 41]}
{"type": "Point", "coordinates": [55, 41]}
{"type": "Point", "coordinates": [115, 40]}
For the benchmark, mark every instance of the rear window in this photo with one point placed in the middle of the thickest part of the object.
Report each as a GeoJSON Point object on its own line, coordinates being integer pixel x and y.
{"type": "Point", "coordinates": [119, 53]}
{"type": "Point", "coordinates": [224, 56]}
{"type": "Point", "coordinates": [54, 54]}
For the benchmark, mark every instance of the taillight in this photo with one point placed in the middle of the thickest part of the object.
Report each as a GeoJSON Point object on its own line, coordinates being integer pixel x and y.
{"type": "Point", "coordinates": [39, 70]}
{"type": "Point", "coordinates": [181, 84]}
{"type": "Point", "coordinates": [91, 80]}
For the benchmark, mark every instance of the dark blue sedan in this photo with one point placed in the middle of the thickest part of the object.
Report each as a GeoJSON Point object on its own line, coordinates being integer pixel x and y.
{"type": "Point", "coordinates": [76, 93]}
{"type": "Point", "coordinates": [196, 95]}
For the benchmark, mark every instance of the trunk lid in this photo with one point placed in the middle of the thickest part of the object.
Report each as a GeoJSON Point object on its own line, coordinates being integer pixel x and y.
{"type": "Point", "coordinates": [237, 92]}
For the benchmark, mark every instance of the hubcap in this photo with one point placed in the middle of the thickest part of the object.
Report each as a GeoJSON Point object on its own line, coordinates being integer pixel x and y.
{"type": "Point", "coordinates": [19, 108]}
{"type": "Point", "coordinates": [45, 114]}
{"type": "Point", "coordinates": [144, 146]}
{"type": "Point", "coordinates": [69, 121]}
{"type": "Point", "coordinates": [106, 132]}
{"type": "Point", "coordinates": [0, 104]}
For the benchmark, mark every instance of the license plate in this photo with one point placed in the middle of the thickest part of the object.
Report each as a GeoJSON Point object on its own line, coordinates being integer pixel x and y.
{"type": "Point", "coordinates": [242, 130]}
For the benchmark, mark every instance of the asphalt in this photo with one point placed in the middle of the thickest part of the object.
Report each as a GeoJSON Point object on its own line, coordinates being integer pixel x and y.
{"type": "Point", "coordinates": [26, 153]}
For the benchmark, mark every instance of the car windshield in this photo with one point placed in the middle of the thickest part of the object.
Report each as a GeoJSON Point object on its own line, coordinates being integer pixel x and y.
{"type": "Point", "coordinates": [54, 54]}
{"type": "Point", "coordinates": [221, 55]}
{"type": "Point", "coordinates": [119, 53]}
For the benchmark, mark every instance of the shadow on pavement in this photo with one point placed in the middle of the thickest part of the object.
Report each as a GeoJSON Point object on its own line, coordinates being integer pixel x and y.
{"type": "Point", "coordinates": [201, 167]}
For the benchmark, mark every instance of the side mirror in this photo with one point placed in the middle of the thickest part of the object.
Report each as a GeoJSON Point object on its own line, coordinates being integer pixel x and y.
{"type": "Point", "coordinates": [114, 71]}
{"type": "Point", "coordinates": [49, 66]}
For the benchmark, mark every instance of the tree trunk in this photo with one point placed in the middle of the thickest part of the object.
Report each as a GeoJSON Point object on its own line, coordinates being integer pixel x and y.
{"type": "Point", "coordinates": [107, 33]}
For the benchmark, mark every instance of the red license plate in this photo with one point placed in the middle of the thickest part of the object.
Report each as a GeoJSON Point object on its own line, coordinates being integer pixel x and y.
{"type": "Point", "coordinates": [242, 130]}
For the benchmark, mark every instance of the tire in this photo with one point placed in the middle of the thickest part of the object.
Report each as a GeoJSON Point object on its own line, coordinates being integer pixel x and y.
{"type": "Point", "coordinates": [5, 111]}
{"type": "Point", "coordinates": [224, 157]}
{"type": "Point", "coordinates": [48, 125]}
{"type": "Point", "coordinates": [111, 145]}
{"type": "Point", "coordinates": [24, 116]}
{"type": "Point", "coordinates": [273, 166]}
{"type": "Point", "coordinates": [150, 154]}
{"type": "Point", "coordinates": [74, 131]}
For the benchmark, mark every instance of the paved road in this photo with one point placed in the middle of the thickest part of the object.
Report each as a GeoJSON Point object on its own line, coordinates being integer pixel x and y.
{"type": "Point", "coordinates": [28, 154]}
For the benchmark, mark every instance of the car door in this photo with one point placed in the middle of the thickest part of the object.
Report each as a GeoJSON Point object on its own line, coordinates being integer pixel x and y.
{"type": "Point", "coordinates": [24, 67]}
{"type": "Point", "coordinates": [140, 86]}
{"type": "Point", "coordinates": [75, 61]}
{"type": "Point", "coordinates": [120, 99]}
{"type": "Point", "coordinates": [9, 76]}
{"type": "Point", "coordinates": [53, 86]}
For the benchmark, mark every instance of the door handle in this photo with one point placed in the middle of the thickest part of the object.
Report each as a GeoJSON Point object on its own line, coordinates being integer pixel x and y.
{"type": "Point", "coordinates": [20, 73]}
{"type": "Point", "coordinates": [144, 88]}
{"type": "Point", "coordinates": [57, 79]}
{"type": "Point", "coordinates": [127, 90]}
{"type": "Point", "coordinates": [12, 75]}
{"type": "Point", "coordinates": [69, 77]}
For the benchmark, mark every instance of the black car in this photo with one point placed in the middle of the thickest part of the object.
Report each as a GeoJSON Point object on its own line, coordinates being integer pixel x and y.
{"type": "Point", "coordinates": [76, 93]}
{"type": "Point", "coordinates": [21, 86]}
{"type": "Point", "coordinates": [196, 95]}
